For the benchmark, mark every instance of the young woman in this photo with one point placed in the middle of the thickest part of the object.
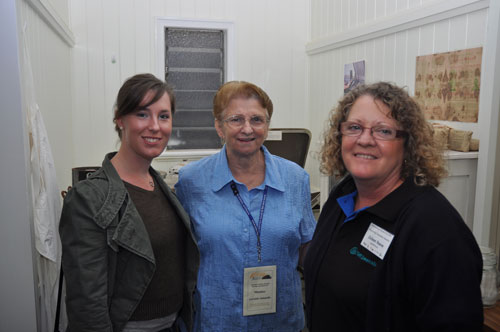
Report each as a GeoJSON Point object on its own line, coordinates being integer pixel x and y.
{"type": "Point", "coordinates": [129, 257]}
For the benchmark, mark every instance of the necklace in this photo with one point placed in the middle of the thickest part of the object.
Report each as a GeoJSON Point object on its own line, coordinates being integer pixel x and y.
{"type": "Point", "coordinates": [151, 183]}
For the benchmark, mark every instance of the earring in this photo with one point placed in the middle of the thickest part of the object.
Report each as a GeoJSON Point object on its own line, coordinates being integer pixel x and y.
{"type": "Point", "coordinates": [121, 128]}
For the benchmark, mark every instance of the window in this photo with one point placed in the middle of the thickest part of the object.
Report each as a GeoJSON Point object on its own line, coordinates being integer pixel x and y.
{"type": "Point", "coordinates": [194, 60]}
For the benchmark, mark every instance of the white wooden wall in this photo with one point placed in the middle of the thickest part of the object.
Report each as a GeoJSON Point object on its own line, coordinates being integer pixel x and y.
{"type": "Point", "coordinates": [51, 65]}
{"type": "Point", "coordinates": [269, 51]}
{"type": "Point", "coordinates": [389, 35]}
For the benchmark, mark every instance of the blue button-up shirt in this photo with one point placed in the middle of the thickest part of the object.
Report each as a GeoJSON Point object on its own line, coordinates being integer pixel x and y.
{"type": "Point", "coordinates": [228, 242]}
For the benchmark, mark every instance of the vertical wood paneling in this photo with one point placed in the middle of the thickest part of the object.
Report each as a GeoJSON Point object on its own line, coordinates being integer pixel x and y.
{"type": "Point", "coordinates": [112, 79]}
{"type": "Point", "coordinates": [379, 8]}
{"type": "Point", "coordinates": [244, 68]}
{"type": "Point", "coordinates": [127, 38]}
{"type": "Point", "coordinates": [426, 42]}
{"type": "Point", "coordinates": [202, 8]}
{"type": "Point", "coordinates": [173, 8]}
{"type": "Point", "coordinates": [188, 8]}
{"type": "Point", "coordinates": [401, 5]}
{"type": "Point", "coordinates": [336, 17]}
{"type": "Point", "coordinates": [441, 36]}
{"type": "Point", "coordinates": [390, 7]}
{"type": "Point", "coordinates": [351, 54]}
{"type": "Point", "coordinates": [314, 29]}
{"type": "Point", "coordinates": [278, 47]}
{"type": "Point", "coordinates": [144, 35]}
{"type": "Point", "coordinates": [378, 59]}
{"type": "Point", "coordinates": [391, 57]}
{"type": "Point", "coordinates": [458, 28]}
{"type": "Point", "coordinates": [353, 14]}
{"type": "Point", "coordinates": [156, 9]}
{"type": "Point", "coordinates": [362, 12]}
{"type": "Point", "coordinates": [51, 68]}
{"type": "Point", "coordinates": [220, 9]}
{"type": "Point", "coordinates": [370, 10]}
{"type": "Point", "coordinates": [389, 60]}
{"type": "Point", "coordinates": [329, 25]}
{"type": "Point", "coordinates": [83, 154]}
{"type": "Point", "coordinates": [298, 90]}
{"type": "Point", "coordinates": [360, 52]}
{"type": "Point", "coordinates": [412, 52]}
{"type": "Point", "coordinates": [476, 29]}
{"type": "Point", "coordinates": [343, 15]}
{"type": "Point", "coordinates": [323, 19]}
{"type": "Point", "coordinates": [95, 58]}
{"type": "Point", "coordinates": [400, 58]}
{"type": "Point", "coordinates": [268, 51]}
{"type": "Point", "coordinates": [414, 3]}
{"type": "Point", "coordinates": [370, 60]}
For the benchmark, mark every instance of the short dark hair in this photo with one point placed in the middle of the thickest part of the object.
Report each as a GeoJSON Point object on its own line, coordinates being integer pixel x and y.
{"type": "Point", "coordinates": [133, 91]}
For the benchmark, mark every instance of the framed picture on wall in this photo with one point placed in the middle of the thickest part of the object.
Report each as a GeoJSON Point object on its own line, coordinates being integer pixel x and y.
{"type": "Point", "coordinates": [354, 75]}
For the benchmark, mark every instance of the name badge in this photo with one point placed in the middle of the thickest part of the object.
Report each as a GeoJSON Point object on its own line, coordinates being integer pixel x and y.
{"type": "Point", "coordinates": [259, 290]}
{"type": "Point", "coordinates": [377, 240]}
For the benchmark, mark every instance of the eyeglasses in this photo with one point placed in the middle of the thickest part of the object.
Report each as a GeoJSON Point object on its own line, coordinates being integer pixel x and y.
{"type": "Point", "coordinates": [238, 121]}
{"type": "Point", "coordinates": [383, 133]}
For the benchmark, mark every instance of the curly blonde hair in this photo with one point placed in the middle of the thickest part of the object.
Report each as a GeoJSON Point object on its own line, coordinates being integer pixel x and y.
{"type": "Point", "coordinates": [423, 159]}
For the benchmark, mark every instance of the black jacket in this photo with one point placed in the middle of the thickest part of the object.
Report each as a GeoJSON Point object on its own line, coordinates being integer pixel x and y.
{"type": "Point", "coordinates": [429, 279]}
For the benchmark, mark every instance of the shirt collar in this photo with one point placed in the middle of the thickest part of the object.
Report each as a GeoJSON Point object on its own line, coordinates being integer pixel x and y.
{"type": "Point", "coordinates": [222, 175]}
{"type": "Point", "coordinates": [347, 203]}
{"type": "Point", "coordinates": [390, 206]}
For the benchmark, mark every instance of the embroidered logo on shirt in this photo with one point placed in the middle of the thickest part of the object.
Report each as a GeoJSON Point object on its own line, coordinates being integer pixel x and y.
{"type": "Point", "coordinates": [354, 251]}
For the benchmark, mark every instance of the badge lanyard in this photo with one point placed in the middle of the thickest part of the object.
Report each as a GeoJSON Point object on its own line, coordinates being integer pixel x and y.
{"type": "Point", "coordinates": [258, 228]}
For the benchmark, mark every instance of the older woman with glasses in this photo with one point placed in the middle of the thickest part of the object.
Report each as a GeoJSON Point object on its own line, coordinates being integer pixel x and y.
{"type": "Point", "coordinates": [251, 215]}
{"type": "Point", "coordinates": [390, 253]}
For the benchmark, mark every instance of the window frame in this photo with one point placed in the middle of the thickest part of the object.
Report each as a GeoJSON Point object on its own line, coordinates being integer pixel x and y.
{"type": "Point", "coordinates": [226, 26]}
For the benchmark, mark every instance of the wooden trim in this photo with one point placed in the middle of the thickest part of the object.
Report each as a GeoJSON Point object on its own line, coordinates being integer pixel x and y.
{"type": "Point", "coordinates": [432, 12]}
{"type": "Point", "coordinates": [53, 20]}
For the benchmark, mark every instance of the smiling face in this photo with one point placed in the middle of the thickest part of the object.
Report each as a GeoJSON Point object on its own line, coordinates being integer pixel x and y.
{"type": "Point", "coordinates": [371, 161]}
{"type": "Point", "coordinates": [146, 131]}
{"type": "Point", "coordinates": [246, 141]}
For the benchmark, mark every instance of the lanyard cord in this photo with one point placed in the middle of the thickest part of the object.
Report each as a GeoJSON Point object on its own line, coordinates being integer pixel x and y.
{"type": "Point", "coordinates": [257, 228]}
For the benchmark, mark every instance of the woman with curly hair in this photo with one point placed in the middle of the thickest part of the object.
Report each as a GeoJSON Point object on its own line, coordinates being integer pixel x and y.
{"type": "Point", "coordinates": [389, 253]}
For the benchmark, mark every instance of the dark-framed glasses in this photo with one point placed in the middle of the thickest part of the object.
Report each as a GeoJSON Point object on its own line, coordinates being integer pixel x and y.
{"type": "Point", "coordinates": [238, 121]}
{"type": "Point", "coordinates": [384, 133]}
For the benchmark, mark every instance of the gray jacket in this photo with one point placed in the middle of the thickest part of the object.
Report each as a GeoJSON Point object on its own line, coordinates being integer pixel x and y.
{"type": "Point", "coordinates": [107, 257]}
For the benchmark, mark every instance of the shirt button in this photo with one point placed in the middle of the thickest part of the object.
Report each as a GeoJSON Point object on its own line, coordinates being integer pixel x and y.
{"type": "Point", "coordinates": [245, 230]}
